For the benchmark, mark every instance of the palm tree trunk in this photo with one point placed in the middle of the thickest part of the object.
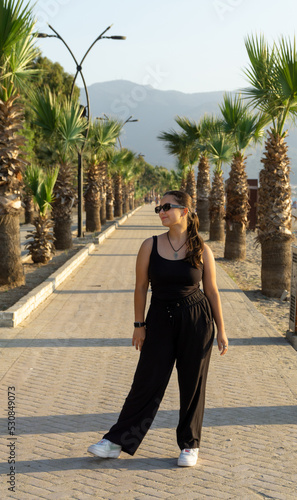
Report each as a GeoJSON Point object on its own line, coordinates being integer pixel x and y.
{"type": "Point", "coordinates": [275, 217]}
{"type": "Point", "coordinates": [237, 208]}
{"type": "Point", "coordinates": [235, 244]}
{"type": "Point", "coordinates": [217, 229]}
{"type": "Point", "coordinates": [93, 221]}
{"type": "Point", "coordinates": [109, 199]}
{"type": "Point", "coordinates": [118, 195]}
{"type": "Point", "coordinates": [183, 183]}
{"type": "Point", "coordinates": [62, 207]}
{"type": "Point", "coordinates": [41, 247]}
{"type": "Point", "coordinates": [217, 208]}
{"type": "Point", "coordinates": [103, 207]}
{"type": "Point", "coordinates": [102, 174]}
{"type": "Point", "coordinates": [11, 269]}
{"type": "Point", "coordinates": [29, 209]}
{"type": "Point", "coordinates": [203, 214]}
{"type": "Point", "coordinates": [191, 186]}
{"type": "Point", "coordinates": [131, 195]}
{"type": "Point", "coordinates": [62, 233]}
{"type": "Point", "coordinates": [126, 199]}
{"type": "Point", "coordinates": [11, 168]}
{"type": "Point", "coordinates": [276, 267]}
{"type": "Point", "coordinates": [109, 210]}
{"type": "Point", "coordinates": [203, 191]}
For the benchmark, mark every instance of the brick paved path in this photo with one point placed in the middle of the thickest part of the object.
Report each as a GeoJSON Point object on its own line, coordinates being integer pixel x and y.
{"type": "Point", "coordinates": [72, 364]}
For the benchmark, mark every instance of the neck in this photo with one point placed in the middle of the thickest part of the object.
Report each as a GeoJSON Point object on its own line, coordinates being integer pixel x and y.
{"type": "Point", "coordinates": [178, 233]}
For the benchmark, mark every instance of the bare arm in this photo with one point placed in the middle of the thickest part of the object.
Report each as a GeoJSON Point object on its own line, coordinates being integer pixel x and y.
{"type": "Point", "coordinates": [141, 287]}
{"type": "Point", "coordinates": [211, 291]}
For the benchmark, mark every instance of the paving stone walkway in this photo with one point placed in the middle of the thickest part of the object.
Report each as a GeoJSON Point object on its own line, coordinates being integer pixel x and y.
{"type": "Point", "coordinates": [72, 363]}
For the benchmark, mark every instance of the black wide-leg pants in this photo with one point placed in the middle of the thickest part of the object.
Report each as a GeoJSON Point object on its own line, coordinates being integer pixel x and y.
{"type": "Point", "coordinates": [180, 331]}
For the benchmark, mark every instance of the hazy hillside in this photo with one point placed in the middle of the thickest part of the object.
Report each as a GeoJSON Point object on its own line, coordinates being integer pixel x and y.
{"type": "Point", "coordinates": [155, 110]}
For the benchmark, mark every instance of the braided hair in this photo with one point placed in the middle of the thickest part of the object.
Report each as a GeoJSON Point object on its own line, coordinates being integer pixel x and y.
{"type": "Point", "coordinates": [195, 244]}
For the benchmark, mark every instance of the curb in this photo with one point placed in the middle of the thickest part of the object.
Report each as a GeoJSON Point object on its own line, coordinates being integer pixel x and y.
{"type": "Point", "coordinates": [17, 313]}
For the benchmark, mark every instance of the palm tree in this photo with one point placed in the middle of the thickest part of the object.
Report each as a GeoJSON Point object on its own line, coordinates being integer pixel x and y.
{"type": "Point", "coordinates": [41, 185]}
{"type": "Point", "coordinates": [272, 74]}
{"type": "Point", "coordinates": [183, 145]}
{"type": "Point", "coordinates": [208, 126]}
{"type": "Point", "coordinates": [109, 197]}
{"type": "Point", "coordinates": [120, 163]}
{"type": "Point", "coordinates": [244, 128]}
{"type": "Point", "coordinates": [17, 51]}
{"type": "Point", "coordinates": [129, 174]}
{"type": "Point", "coordinates": [98, 192]}
{"type": "Point", "coordinates": [62, 126]}
{"type": "Point", "coordinates": [220, 150]}
{"type": "Point", "coordinates": [103, 172]}
{"type": "Point", "coordinates": [92, 196]}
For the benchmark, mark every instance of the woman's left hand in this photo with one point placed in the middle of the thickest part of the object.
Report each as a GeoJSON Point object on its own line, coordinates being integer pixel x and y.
{"type": "Point", "coordinates": [222, 342]}
{"type": "Point", "coordinates": [138, 337]}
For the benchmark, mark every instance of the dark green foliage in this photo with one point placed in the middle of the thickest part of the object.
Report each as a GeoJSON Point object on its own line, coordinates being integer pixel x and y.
{"type": "Point", "coordinates": [53, 76]}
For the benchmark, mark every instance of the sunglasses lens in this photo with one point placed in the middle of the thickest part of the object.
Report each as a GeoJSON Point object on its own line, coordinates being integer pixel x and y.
{"type": "Point", "coordinates": [166, 207]}
{"type": "Point", "coordinates": [158, 209]}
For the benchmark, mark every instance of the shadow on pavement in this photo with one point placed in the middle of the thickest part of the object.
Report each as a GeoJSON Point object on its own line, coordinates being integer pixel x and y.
{"type": "Point", "coordinates": [66, 342]}
{"type": "Point", "coordinates": [122, 342]}
{"type": "Point", "coordinates": [213, 417]}
{"type": "Point", "coordinates": [79, 463]}
{"type": "Point", "coordinates": [279, 341]}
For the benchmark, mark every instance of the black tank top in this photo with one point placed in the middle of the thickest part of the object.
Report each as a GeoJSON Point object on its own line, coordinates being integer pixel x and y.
{"type": "Point", "coordinates": [172, 279]}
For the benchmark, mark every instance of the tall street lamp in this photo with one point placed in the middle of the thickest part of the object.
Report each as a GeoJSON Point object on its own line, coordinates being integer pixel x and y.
{"type": "Point", "coordinates": [86, 111]}
{"type": "Point", "coordinates": [127, 121]}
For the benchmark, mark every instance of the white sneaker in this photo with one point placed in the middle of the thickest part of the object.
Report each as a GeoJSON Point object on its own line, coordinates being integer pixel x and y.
{"type": "Point", "coordinates": [188, 457]}
{"type": "Point", "coordinates": [105, 449]}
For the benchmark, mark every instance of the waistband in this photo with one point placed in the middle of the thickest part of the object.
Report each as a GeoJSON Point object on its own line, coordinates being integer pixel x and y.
{"type": "Point", "coordinates": [189, 300]}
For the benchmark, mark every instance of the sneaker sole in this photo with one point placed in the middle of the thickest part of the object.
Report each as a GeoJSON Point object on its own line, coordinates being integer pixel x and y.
{"type": "Point", "coordinates": [184, 464]}
{"type": "Point", "coordinates": [100, 453]}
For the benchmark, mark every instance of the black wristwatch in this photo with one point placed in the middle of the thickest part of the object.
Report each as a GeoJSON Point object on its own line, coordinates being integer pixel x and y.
{"type": "Point", "coordinates": [138, 324]}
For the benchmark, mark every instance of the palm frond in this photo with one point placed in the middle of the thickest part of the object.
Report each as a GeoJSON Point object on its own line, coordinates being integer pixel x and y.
{"type": "Point", "coordinates": [19, 67]}
{"type": "Point", "coordinates": [240, 123]}
{"type": "Point", "coordinates": [47, 111]}
{"type": "Point", "coordinates": [209, 125]}
{"type": "Point", "coordinates": [261, 72]}
{"type": "Point", "coordinates": [120, 160]}
{"type": "Point", "coordinates": [220, 148]}
{"type": "Point", "coordinates": [41, 184]}
{"type": "Point", "coordinates": [233, 111]}
{"type": "Point", "coordinates": [104, 133]}
{"type": "Point", "coordinates": [71, 125]}
{"type": "Point", "coordinates": [272, 74]}
{"type": "Point", "coordinates": [16, 24]}
{"type": "Point", "coordinates": [191, 128]}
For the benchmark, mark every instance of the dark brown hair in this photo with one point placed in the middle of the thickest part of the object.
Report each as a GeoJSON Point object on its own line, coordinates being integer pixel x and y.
{"type": "Point", "coordinates": [195, 244]}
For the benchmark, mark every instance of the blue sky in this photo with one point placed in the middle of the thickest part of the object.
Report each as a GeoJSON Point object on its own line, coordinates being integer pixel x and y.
{"type": "Point", "coordinates": [185, 45]}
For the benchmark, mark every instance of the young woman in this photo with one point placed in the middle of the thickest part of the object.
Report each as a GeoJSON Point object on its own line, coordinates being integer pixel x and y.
{"type": "Point", "coordinates": [178, 328]}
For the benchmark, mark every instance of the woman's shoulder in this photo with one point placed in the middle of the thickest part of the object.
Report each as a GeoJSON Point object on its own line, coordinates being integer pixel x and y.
{"type": "Point", "coordinates": [207, 254]}
{"type": "Point", "coordinates": [147, 245]}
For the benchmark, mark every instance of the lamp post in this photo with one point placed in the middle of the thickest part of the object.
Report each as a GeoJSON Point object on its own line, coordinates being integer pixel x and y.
{"type": "Point", "coordinates": [86, 111]}
{"type": "Point", "coordinates": [127, 121]}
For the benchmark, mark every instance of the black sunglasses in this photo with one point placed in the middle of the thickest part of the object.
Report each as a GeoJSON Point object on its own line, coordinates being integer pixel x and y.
{"type": "Point", "coordinates": [166, 207]}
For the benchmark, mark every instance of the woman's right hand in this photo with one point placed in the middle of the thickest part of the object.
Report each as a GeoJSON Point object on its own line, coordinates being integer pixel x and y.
{"type": "Point", "coordinates": [138, 337]}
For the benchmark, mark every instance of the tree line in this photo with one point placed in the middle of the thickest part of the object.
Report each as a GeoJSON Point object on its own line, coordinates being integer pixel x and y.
{"type": "Point", "coordinates": [42, 128]}
{"type": "Point", "coordinates": [38, 155]}
{"type": "Point", "coordinates": [257, 114]}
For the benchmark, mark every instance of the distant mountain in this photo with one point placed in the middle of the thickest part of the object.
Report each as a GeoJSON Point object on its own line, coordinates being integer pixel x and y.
{"type": "Point", "coordinates": [155, 110]}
